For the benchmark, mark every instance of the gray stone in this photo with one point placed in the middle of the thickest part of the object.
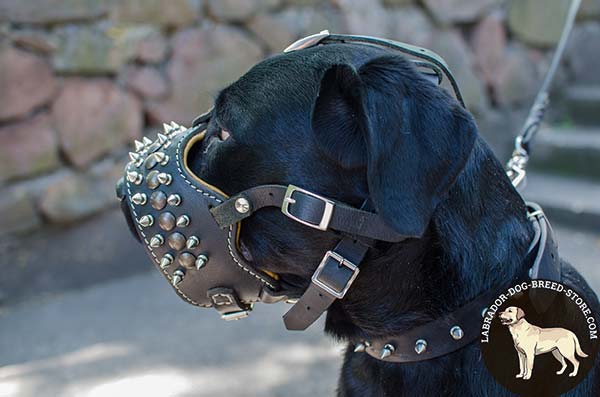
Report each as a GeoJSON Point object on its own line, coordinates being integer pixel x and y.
{"type": "Point", "coordinates": [17, 211]}
{"type": "Point", "coordinates": [590, 9]}
{"type": "Point", "coordinates": [538, 22]}
{"type": "Point", "coordinates": [516, 79]}
{"type": "Point", "coordinates": [137, 42]}
{"type": "Point", "coordinates": [28, 148]}
{"type": "Point", "coordinates": [364, 17]}
{"type": "Point", "coordinates": [489, 45]}
{"type": "Point", "coordinates": [146, 81]}
{"type": "Point", "coordinates": [450, 45]}
{"type": "Point", "coordinates": [583, 103]}
{"type": "Point", "coordinates": [35, 40]}
{"type": "Point", "coordinates": [87, 50]}
{"type": "Point", "coordinates": [238, 10]}
{"type": "Point", "coordinates": [583, 53]}
{"type": "Point", "coordinates": [451, 11]}
{"type": "Point", "coordinates": [77, 195]}
{"type": "Point", "coordinates": [273, 30]}
{"type": "Point", "coordinates": [397, 3]}
{"type": "Point", "coordinates": [26, 82]}
{"type": "Point", "coordinates": [151, 48]}
{"type": "Point", "coordinates": [51, 11]}
{"type": "Point", "coordinates": [204, 61]}
{"type": "Point", "coordinates": [409, 24]}
{"type": "Point", "coordinates": [303, 21]}
{"type": "Point", "coordinates": [93, 117]}
{"type": "Point", "coordinates": [172, 13]}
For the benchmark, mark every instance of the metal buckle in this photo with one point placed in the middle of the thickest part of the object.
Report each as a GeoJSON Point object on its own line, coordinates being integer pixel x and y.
{"type": "Point", "coordinates": [235, 315]}
{"type": "Point", "coordinates": [341, 262]}
{"type": "Point", "coordinates": [327, 212]}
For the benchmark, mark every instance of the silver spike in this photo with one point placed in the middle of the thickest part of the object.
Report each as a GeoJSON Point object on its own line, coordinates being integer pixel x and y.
{"type": "Point", "coordinates": [192, 242]}
{"type": "Point", "coordinates": [360, 347]}
{"type": "Point", "coordinates": [136, 159]}
{"type": "Point", "coordinates": [156, 241]}
{"type": "Point", "coordinates": [175, 125]}
{"type": "Point", "coordinates": [147, 141]}
{"type": "Point", "coordinates": [139, 198]}
{"type": "Point", "coordinates": [166, 261]}
{"type": "Point", "coordinates": [134, 177]}
{"type": "Point", "coordinates": [183, 221]}
{"type": "Point", "coordinates": [174, 200]}
{"type": "Point", "coordinates": [201, 261]}
{"type": "Point", "coordinates": [420, 346]}
{"type": "Point", "coordinates": [162, 158]}
{"type": "Point", "coordinates": [139, 146]}
{"type": "Point", "coordinates": [164, 178]}
{"type": "Point", "coordinates": [167, 128]}
{"type": "Point", "coordinates": [162, 138]}
{"type": "Point", "coordinates": [146, 220]}
{"type": "Point", "coordinates": [177, 277]}
{"type": "Point", "coordinates": [387, 351]}
{"type": "Point", "coordinates": [456, 332]}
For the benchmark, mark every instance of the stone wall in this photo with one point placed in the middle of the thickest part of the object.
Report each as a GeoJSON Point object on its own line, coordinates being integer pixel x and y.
{"type": "Point", "coordinates": [81, 79]}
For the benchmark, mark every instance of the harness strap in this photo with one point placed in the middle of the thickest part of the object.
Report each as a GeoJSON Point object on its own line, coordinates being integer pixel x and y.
{"type": "Point", "coordinates": [306, 208]}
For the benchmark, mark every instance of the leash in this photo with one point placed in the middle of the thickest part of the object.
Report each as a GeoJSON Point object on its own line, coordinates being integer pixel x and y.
{"type": "Point", "coordinates": [517, 164]}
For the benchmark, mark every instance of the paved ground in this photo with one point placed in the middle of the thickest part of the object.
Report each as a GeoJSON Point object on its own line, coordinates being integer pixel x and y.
{"type": "Point", "coordinates": [110, 340]}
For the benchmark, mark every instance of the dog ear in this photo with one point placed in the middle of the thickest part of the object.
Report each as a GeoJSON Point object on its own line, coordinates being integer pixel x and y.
{"type": "Point", "coordinates": [520, 313]}
{"type": "Point", "coordinates": [412, 136]}
{"type": "Point", "coordinates": [338, 117]}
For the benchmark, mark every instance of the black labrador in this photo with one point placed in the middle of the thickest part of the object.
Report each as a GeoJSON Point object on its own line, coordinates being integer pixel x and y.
{"type": "Point", "coordinates": [351, 122]}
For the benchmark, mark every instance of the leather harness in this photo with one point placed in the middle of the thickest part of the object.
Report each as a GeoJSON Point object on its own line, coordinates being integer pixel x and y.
{"type": "Point", "coordinates": [190, 230]}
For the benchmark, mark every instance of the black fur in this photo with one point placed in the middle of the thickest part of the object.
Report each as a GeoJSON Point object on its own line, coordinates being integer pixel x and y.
{"type": "Point", "coordinates": [349, 122]}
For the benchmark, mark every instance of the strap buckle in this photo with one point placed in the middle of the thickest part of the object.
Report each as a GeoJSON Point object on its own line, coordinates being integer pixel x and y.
{"type": "Point", "coordinates": [336, 291]}
{"type": "Point", "coordinates": [327, 211]}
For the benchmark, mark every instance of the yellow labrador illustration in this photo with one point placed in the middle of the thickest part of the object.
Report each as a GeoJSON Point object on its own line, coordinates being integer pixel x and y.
{"type": "Point", "coordinates": [531, 340]}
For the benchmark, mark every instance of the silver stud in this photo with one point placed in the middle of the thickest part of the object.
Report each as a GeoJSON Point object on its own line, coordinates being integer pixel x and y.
{"type": "Point", "coordinates": [166, 221]}
{"type": "Point", "coordinates": [157, 241]}
{"type": "Point", "coordinates": [166, 261]}
{"type": "Point", "coordinates": [187, 260]}
{"type": "Point", "coordinates": [177, 276]}
{"type": "Point", "coordinates": [192, 242]}
{"type": "Point", "coordinates": [139, 146]}
{"type": "Point", "coordinates": [136, 159]}
{"type": "Point", "coordinates": [387, 351]}
{"type": "Point", "coordinates": [420, 346]}
{"type": "Point", "coordinates": [164, 178]}
{"type": "Point", "coordinates": [456, 332]}
{"type": "Point", "coordinates": [242, 205]}
{"type": "Point", "coordinates": [146, 220]}
{"type": "Point", "coordinates": [174, 200]}
{"type": "Point", "coordinates": [134, 177]}
{"type": "Point", "coordinates": [162, 158]}
{"type": "Point", "coordinates": [167, 128]}
{"type": "Point", "coordinates": [183, 221]}
{"type": "Point", "coordinates": [150, 162]}
{"type": "Point", "coordinates": [362, 346]}
{"type": "Point", "coordinates": [201, 261]}
{"type": "Point", "coordinates": [158, 200]}
{"type": "Point", "coordinates": [162, 138]}
{"type": "Point", "coordinates": [176, 241]}
{"type": "Point", "coordinates": [139, 198]}
{"type": "Point", "coordinates": [147, 141]}
{"type": "Point", "coordinates": [152, 179]}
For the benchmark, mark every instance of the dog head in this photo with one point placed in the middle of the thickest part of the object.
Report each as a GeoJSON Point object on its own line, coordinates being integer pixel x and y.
{"type": "Point", "coordinates": [511, 315]}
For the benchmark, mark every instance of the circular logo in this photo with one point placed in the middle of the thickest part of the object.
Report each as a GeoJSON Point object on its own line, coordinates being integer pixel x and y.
{"type": "Point", "coordinates": [539, 338]}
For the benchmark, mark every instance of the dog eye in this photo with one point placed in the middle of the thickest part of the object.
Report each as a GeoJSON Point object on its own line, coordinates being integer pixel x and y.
{"type": "Point", "coordinates": [223, 135]}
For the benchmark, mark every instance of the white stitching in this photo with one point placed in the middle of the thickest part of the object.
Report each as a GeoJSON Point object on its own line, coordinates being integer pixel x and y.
{"type": "Point", "coordinates": [264, 281]}
{"type": "Point", "coordinates": [135, 218]}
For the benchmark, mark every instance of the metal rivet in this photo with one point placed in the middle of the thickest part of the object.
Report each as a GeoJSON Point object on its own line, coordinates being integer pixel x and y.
{"type": "Point", "coordinates": [174, 200]}
{"type": "Point", "coordinates": [456, 332]}
{"type": "Point", "coordinates": [139, 146]}
{"type": "Point", "coordinates": [156, 241]}
{"type": "Point", "coordinates": [387, 351]}
{"type": "Point", "coordinates": [242, 205]}
{"type": "Point", "coordinates": [166, 221]}
{"type": "Point", "coordinates": [362, 346]}
{"type": "Point", "coordinates": [183, 221]}
{"type": "Point", "coordinates": [158, 200]}
{"type": "Point", "coordinates": [146, 220]}
{"type": "Point", "coordinates": [420, 346]}
{"type": "Point", "coordinates": [152, 179]}
{"type": "Point", "coordinates": [150, 162]}
{"type": "Point", "coordinates": [192, 242]}
{"type": "Point", "coordinates": [139, 199]}
{"type": "Point", "coordinates": [164, 178]}
{"type": "Point", "coordinates": [166, 261]}
{"type": "Point", "coordinates": [201, 261]}
{"type": "Point", "coordinates": [177, 276]}
{"type": "Point", "coordinates": [187, 260]}
{"type": "Point", "coordinates": [134, 177]}
{"type": "Point", "coordinates": [177, 241]}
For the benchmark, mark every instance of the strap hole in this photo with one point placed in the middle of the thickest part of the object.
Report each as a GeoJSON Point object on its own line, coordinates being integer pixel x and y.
{"type": "Point", "coordinates": [307, 307]}
{"type": "Point", "coordinates": [320, 295]}
{"type": "Point", "coordinates": [270, 194]}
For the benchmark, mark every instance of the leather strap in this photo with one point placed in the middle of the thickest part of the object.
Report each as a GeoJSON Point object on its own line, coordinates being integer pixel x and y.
{"type": "Point", "coordinates": [335, 272]}
{"type": "Point", "coordinates": [309, 209]}
{"type": "Point", "coordinates": [437, 335]}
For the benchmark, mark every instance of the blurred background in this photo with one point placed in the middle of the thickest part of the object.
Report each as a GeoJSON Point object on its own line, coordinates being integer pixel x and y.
{"type": "Point", "coordinates": [81, 311]}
